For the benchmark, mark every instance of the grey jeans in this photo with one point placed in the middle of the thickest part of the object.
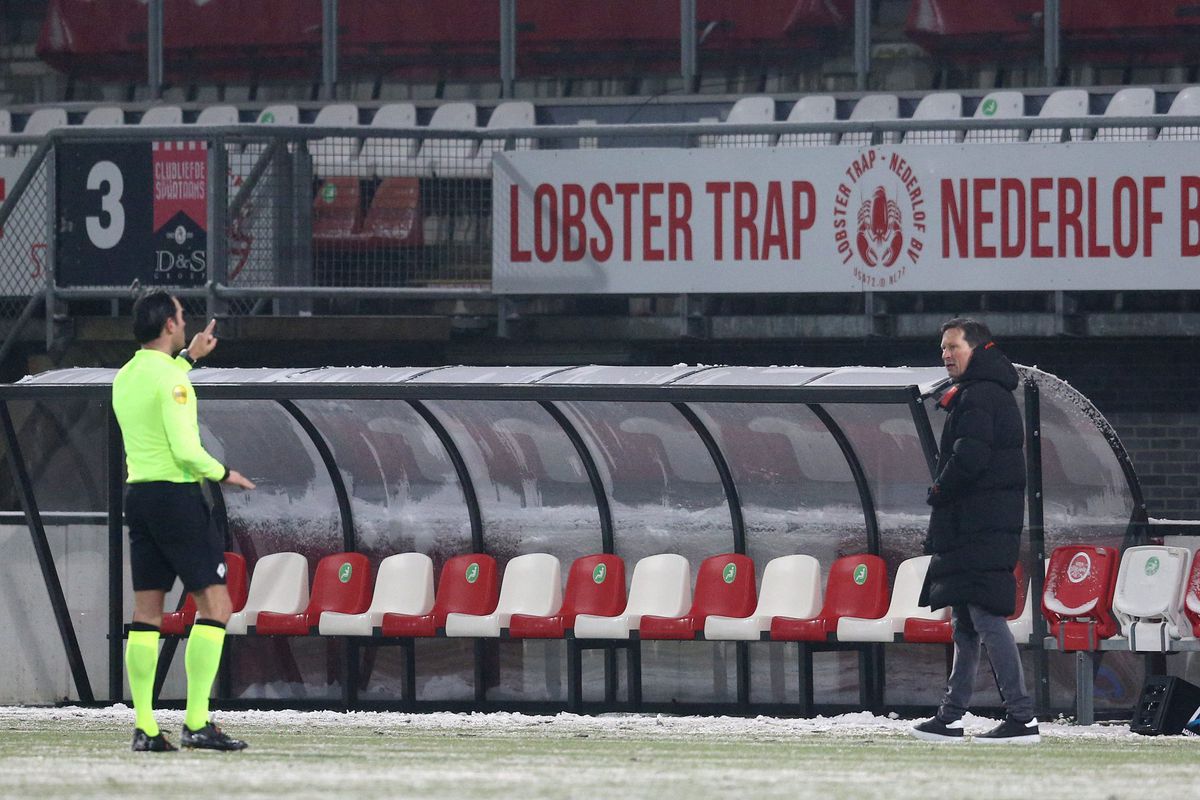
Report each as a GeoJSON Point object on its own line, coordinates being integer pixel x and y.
{"type": "Point", "coordinates": [974, 625]}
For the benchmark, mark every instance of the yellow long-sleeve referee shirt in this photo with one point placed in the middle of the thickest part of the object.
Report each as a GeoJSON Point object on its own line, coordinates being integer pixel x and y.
{"type": "Point", "coordinates": [155, 406]}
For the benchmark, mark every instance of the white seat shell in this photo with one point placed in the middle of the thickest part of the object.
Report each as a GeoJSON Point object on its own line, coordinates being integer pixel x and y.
{"type": "Point", "coordinates": [1148, 600]}
{"type": "Point", "coordinates": [279, 583]}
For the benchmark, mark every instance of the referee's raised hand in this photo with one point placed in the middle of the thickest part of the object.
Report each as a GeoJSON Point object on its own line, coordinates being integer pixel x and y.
{"type": "Point", "coordinates": [203, 342]}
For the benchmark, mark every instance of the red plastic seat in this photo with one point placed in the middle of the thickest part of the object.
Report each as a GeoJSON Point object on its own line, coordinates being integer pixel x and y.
{"type": "Point", "coordinates": [724, 586]}
{"type": "Point", "coordinates": [595, 585]}
{"type": "Point", "coordinates": [1077, 600]}
{"type": "Point", "coordinates": [857, 587]}
{"type": "Point", "coordinates": [337, 212]}
{"type": "Point", "coordinates": [342, 583]}
{"type": "Point", "coordinates": [468, 585]}
{"type": "Point", "coordinates": [395, 219]}
{"type": "Point", "coordinates": [175, 623]}
{"type": "Point", "coordinates": [941, 631]}
{"type": "Point", "coordinates": [1191, 599]}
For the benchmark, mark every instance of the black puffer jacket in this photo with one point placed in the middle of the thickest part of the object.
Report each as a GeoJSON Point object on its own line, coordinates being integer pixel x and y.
{"type": "Point", "coordinates": [978, 497]}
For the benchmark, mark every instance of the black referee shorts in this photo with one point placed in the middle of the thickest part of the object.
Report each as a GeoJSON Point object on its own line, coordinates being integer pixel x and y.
{"type": "Point", "coordinates": [171, 534]}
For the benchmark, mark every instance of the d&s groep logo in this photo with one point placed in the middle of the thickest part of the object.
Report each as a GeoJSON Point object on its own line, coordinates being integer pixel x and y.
{"type": "Point", "coordinates": [879, 218]}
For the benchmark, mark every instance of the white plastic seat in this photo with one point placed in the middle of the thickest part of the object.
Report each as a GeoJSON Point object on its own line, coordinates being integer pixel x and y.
{"type": "Point", "coordinates": [279, 114]}
{"type": "Point", "coordinates": [532, 585]}
{"type": "Point", "coordinates": [513, 114]}
{"type": "Point", "coordinates": [940, 105]}
{"type": "Point", "coordinates": [1185, 104]}
{"type": "Point", "coordinates": [389, 157]}
{"type": "Point", "coordinates": [814, 108]}
{"type": "Point", "coordinates": [869, 108]}
{"type": "Point", "coordinates": [745, 111]}
{"type": "Point", "coordinates": [162, 115]}
{"type": "Point", "coordinates": [104, 115]}
{"type": "Point", "coordinates": [217, 115]}
{"type": "Point", "coordinates": [998, 105]}
{"type": "Point", "coordinates": [447, 154]}
{"type": "Point", "coordinates": [910, 575]}
{"type": "Point", "coordinates": [791, 587]}
{"type": "Point", "coordinates": [1062, 103]}
{"type": "Point", "coordinates": [661, 586]}
{"type": "Point", "coordinates": [1148, 601]}
{"type": "Point", "coordinates": [332, 156]}
{"type": "Point", "coordinates": [39, 123]}
{"type": "Point", "coordinates": [1134, 101]}
{"type": "Point", "coordinates": [403, 585]}
{"type": "Point", "coordinates": [279, 583]}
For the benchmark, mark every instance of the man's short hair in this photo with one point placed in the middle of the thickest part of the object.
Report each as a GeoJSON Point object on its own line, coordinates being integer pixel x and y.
{"type": "Point", "coordinates": [974, 331]}
{"type": "Point", "coordinates": [150, 314]}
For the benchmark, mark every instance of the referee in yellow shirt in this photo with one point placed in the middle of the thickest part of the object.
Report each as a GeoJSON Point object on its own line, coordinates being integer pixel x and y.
{"type": "Point", "coordinates": [170, 530]}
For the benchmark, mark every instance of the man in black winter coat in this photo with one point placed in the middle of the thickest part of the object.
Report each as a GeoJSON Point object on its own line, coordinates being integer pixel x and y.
{"type": "Point", "coordinates": [975, 526]}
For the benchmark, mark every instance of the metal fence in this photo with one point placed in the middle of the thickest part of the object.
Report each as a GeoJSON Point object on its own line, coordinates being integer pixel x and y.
{"type": "Point", "coordinates": [307, 215]}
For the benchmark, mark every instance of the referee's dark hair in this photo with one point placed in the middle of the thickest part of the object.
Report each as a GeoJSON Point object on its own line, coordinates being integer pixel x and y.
{"type": "Point", "coordinates": [150, 314]}
{"type": "Point", "coordinates": [974, 331]}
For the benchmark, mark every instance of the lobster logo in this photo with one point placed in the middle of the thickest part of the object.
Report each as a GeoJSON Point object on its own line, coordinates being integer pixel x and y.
{"type": "Point", "coordinates": [880, 238]}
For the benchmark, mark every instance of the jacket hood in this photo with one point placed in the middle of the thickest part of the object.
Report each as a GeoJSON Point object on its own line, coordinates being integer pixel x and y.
{"type": "Point", "coordinates": [989, 364]}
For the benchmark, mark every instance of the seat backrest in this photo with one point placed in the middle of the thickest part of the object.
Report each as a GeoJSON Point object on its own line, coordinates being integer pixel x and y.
{"type": "Point", "coordinates": [1151, 583]}
{"type": "Point", "coordinates": [217, 115]}
{"type": "Point", "coordinates": [998, 105]}
{"type": "Point", "coordinates": [342, 583]}
{"type": "Point", "coordinates": [511, 114]}
{"type": "Point", "coordinates": [104, 115]}
{"type": "Point", "coordinates": [281, 114]}
{"type": "Point", "coordinates": [791, 587]}
{"type": "Point", "coordinates": [746, 110]}
{"type": "Point", "coordinates": [661, 585]}
{"type": "Point", "coordinates": [451, 115]}
{"type": "Point", "coordinates": [906, 592]}
{"type": "Point", "coordinates": [43, 120]}
{"type": "Point", "coordinates": [162, 115]}
{"type": "Point", "coordinates": [814, 108]}
{"type": "Point", "coordinates": [532, 585]}
{"type": "Point", "coordinates": [1023, 589]}
{"type": "Point", "coordinates": [468, 585]}
{"type": "Point", "coordinates": [1079, 583]}
{"type": "Point", "coordinates": [856, 587]}
{"type": "Point", "coordinates": [395, 213]}
{"type": "Point", "coordinates": [404, 584]}
{"type": "Point", "coordinates": [279, 583]}
{"type": "Point", "coordinates": [940, 105]}
{"type": "Point", "coordinates": [337, 208]}
{"type": "Point", "coordinates": [1062, 103]}
{"type": "Point", "coordinates": [1185, 104]}
{"type": "Point", "coordinates": [338, 115]}
{"type": "Point", "coordinates": [1132, 101]}
{"type": "Point", "coordinates": [339, 148]}
{"type": "Point", "coordinates": [725, 587]}
{"type": "Point", "coordinates": [595, 585]}
{"type": "Point", "coordinates": [235, 580]}
{"type": "Point", "coordinates": [380, 150]}
{"type": "Point", "coordinates": [873, 107]}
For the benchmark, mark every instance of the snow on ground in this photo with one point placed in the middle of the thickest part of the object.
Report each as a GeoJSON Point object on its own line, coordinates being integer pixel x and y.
{"type": "Point", "coordinates": [855, 725]}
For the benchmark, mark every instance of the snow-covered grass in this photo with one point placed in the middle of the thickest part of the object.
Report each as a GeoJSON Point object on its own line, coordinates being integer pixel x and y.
{"type": "Point", "coordinates": [72, 752]}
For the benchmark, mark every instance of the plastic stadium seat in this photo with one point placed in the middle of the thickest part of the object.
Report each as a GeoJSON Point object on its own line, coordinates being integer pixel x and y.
{"type": "Point", "coordinates": [1077, 599]}
{"type": "Point", "coordinates": [342, 583]}
{"type": "Point", "coordinates": [1062, 103]}
{"type": "Point", "coordinates": [910, 576]}
{"type": "Point", "coordinates": [104, 115]}
{"type": "Point", "coordinates": [747, 110]}
{"type": "Point", "coordinates": [1148, 601]}
{"type": "Point", "coordinates": [447, 154]}
{"type": "Point", "coordinates": [279, 583]}
{"type": "Point", "coordinates": [39, 123]}
{"type": "Point", "coordinates": [513, 114]}
{"type": "Point", "coordinates": [175, 623]}
{"type": "Point", "coordinates": [279, 114]}
{"type": "Point", "coordinates": [532, 585]}
{"type": "Point", "coordinates": [1191, 599]}
{"type": "Point", "coordinates": [217, 115]}
{"type": "Point", "coordinates": [1128, 102]}
{"type": "Point", "coordinates": [724, 586]}
{"type": "Point", "coordinates": [390, 157]}
{"type": "Point", "coordinates": [814, 108]}
{"type": "Point", "coordinates": [595, 585]}
{"type": "Point", "coordinates": [337, 211]}
{"type": "Point", "coordinates": [791, 587]}
{"type": "Point", "coordinates": [1185, 104]}
{"type": "Point", "coordinates": [334, 155]}
{"type": "Point", "coordinates": [941, 631]}
{"type": "Point", "coordinates": [869, 108]}
{"type": "Point", "coordinates": [394, 218]}
{"type": "Point", "coordinates": [5, 129]}
{"type": "Point", "coordinates": [467, 585]}
{"type": "Point", "coordinates": [940, 105]}
{"type": "Point", "coordinates": [661, 586]}
{"type": "Point", "coordinates": [403, 585]}
{"type": "Point", "coordinates": [162, 115]}
{"type": "Point", "coordinates": [856, 587]}
{"type": "Point", "coordinates": [998, 105]}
